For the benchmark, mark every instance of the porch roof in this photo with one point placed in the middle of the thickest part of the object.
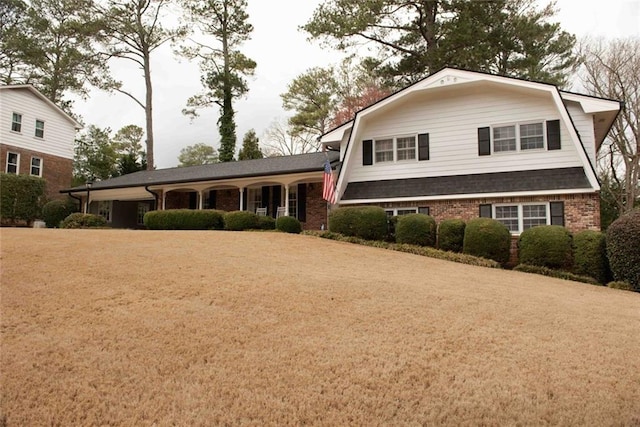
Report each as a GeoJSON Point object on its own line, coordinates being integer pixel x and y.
{"type": "Point", "coordinates": [300, 163]}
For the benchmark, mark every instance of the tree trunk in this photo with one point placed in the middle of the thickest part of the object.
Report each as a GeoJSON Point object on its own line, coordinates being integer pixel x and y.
{"type": "Point", "coordinates": [148, 110]}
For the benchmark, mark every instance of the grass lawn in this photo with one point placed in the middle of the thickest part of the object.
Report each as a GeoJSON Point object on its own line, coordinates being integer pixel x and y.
{"type": "Point", "coordinates": [119, 327]}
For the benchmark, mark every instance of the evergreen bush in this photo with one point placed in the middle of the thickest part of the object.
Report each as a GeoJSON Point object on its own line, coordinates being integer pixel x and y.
{"type": "Point", "coordinates": [288, 224]}
{"type": "Point", "coordinates": [366, 222]}
{"type": "Point", "coordinates": [619, 284]}
{"type": "Point", "coordinates": [21, 197]}
{"type": "Point", "coordinates": [82, 220]}
{"type": "Point", "coordinates": [55, 211]}
{"type": "Point", "coordinates": [623, 248]}
{"type": "Point", "coordinates": [266, 222]}
{"type": "Point", "coordinates": [451, 235]}
{"type": "Point", "coordinates": [416, 229]}
{"type": "Point", "coordinates": [546, 246]}
{"type": "Point", "coordinates": [487, 238]}
{"type": "Point", "coordinates": [590, 255]}
{"type": "Point", "coordinates": [240, 220]}
{"type": "Point", "coordinates": [184, 219]}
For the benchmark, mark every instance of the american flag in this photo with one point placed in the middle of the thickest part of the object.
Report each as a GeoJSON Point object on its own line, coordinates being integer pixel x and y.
{"type": "Point", "coordinates": [328, 189]}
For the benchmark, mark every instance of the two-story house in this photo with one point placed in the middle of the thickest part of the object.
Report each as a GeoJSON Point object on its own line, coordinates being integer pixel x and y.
{"type": "Point", "coordinates": [36, 137]}
{"type": "Point", "coordinates": [457, 144]}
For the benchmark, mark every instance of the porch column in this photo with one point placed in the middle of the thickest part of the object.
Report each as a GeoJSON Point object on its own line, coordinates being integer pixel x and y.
{"type": "Point", "coordinates": [164, 200]}
{"type": "Point", "coordinates": [286, 200]}
{"type": "Point", "coordinates": [241, 198]}
{"type": "Point", "coordinates": [200, 200]}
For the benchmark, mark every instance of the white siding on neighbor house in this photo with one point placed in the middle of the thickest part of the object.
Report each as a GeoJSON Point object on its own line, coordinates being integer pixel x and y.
{"type": "Point", "coordinates": [59, 132]}
{"type": "Point", "coordinates": [452, 121]}
{"type": "Point", "coordinates": [584, 125]}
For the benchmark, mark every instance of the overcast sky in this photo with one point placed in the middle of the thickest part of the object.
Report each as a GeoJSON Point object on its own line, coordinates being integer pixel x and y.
{"type": "Point", "coordinates": [281, 52]}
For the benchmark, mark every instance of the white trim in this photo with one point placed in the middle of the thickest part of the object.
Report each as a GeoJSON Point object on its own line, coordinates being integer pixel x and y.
{"type": "Point", "coordinates": [467, 196]}
{"type": "Point", "coordinates": [520, 217]}
{"type": "Point", "coordinates": [35, 133]}
{"type": "Point", "coordinates": [394, 211]}
{"type": "Point", "coordinates": [45, 99]}
{"type": "Point", "coordinates": [39, 167]}
{"type": "Point", "coordinates": [19, 132]}
{"type": "Point", "coordinates": [6, 164]}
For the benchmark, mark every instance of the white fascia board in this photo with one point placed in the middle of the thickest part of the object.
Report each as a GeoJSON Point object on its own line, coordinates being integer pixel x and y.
{"type": "Point", "coordinates": [590, 104]}
{"type": "Point", "coordinates": [467, 196]}
{"type": "Point", "coordinates": [336, 134]}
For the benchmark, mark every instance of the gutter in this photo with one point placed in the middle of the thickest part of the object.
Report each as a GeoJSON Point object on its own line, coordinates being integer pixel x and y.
{"type": "Point", "coordinates": [156, 196]}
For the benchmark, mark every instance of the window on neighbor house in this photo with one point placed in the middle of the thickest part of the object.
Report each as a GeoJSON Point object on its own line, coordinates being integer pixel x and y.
{"type": "Point", "coordinates": [406, 148]}
{"type": "Point", "coordinates": [13, 161]}
{"type": "Point", "coordinates": [36, 166]}
{"type": "Point", "coordinates": [400, 211]}
{"type": "Point", "coordinates": [254, 199]}
{"type": "Point", "coordinates": [528, 136]}
{"type": "Point", "coordinates": [384, 150]}
{"type": "Point", "coordinates": [521, 217]}
{"type": "Point", "coordinates": [39, 129]}
{"type": "Point", "coordinates": [104, 209]}
{"type": "Point", "coordinates": [143, 208]}
{"type": "Point", "coordinates": [395, 149]}
{"type": "Point", "coordinates": [293, 201]}
{"type": "Point", "coordinates": [16, 122]}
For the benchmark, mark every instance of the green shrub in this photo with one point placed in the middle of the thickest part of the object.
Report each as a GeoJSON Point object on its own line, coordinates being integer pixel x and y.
{"type": "Point", "coordinates": [288, 224]}
{"type": "Point", "coordinates": [184, 219]}
{"type": "Point", "coordinates": [623, 248]}
{"type": "Point", "coordinates": [619, 284]}
{"type": "Point", "coordinates": [240, 220]}
{"type": "Point", "coordinates": [590, 255]}
{"type": "Point", "coordinates": [55, 211]}
{"type": "Point", "coordinates": [416, 229]}
{"type": "Point", "coordinates": [82, 220]}
{"type": "Point", "coordinates": [487, 238]}
{"type": "Point", "coordinates": [451, 235]}
{"type": "Point", "coordinates": [546, 246]}
{"type": "Point", "coordinates": [266, 222]}
{"type": "Point", "coordinates": [21, 197]}
{"type": "Point", "coordinates": [366, 222]}
{"type": "Point", "coordinates": [545, 271]}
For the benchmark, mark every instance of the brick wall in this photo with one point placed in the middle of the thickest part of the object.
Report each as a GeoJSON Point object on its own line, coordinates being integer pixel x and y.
{"type": "Point", "coordinates": [57, 171]}
{"type": "Point", "coordinates": [316, 207]}
{"type": "Point", "coordinates": [228, 200]}
{"type": "Point", "coordinates": [177, 200]}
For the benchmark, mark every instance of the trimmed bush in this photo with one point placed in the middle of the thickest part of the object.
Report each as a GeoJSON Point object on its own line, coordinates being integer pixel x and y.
{"type": "Point", "coordinates": [590, 255]}
{"type": "Point", "coordinates": [82, 220]}
{"type": "Point", "coordinates": [266, 222]}
{"type": "Point", "coordinates": [288, 224]}
{"type": "Point", "coordinates": [366, 222]}
{"type": "Point", "coordinates": [55, 211]}
{"type": "Point", "coordinates": [240, 220]}
{"type": "Point", "coordinates": [546, 246]}
{"type": "Point", "coordinates": [623, 248]}
{"type": "Point", "coordinates": [487, 238]}
{"type": "Point", "coordinates": [184, 219]}
{"type": "Point", "coordinates": [451, 235]}
{"type": "Point", "coordinates": [416, 229]}
{"type": "Point", "coordinates": [618, 284]}
{"type": "Point", "coordinates": [525, 268]}
{"type": "Point", "coordinates": [21, 197]}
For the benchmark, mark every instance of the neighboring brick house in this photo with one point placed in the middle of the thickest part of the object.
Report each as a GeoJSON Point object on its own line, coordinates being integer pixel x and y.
{"type": "Point", "coordinates": [36, 137]}
{"type": "Point", "coordinates": [457, 144]}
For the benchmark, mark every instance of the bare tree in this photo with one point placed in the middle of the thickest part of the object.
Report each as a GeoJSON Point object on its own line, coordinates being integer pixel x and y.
{"type": "Point", "coordinates": [610, 69]}
{"type": "Point", "coordinates": [281, 140]}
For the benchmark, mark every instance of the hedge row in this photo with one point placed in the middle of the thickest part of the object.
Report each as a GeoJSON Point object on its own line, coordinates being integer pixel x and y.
{"type": "Point", "coordinates": [82, 220]}
{"type": "Point", "coordinates": [21, 197]}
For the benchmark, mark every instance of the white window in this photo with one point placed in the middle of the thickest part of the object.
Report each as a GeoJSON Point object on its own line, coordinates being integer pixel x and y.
{"type": "Point", "coordinates": [293, 201]}
{"type": "Point", "coordinates": [143, 208]}
{"type": "Point", "coordinates": [36, 166]}
{"type": "Point", "coordinates": [16, 122]}
{"type": "Point", "coordinates": [39, 129]}
{"type": "Point", "coordinates": [13, 163]}
{"type": "Point", "coordinates": [406, 148]}
{"type": "Point", "coordinates": [521, 217]}
{"type": "Point", "coordinates": [400, 211]}
{"type": "Point", "coordinates": [384, 150]}
{"type": "Point", "coordinates": [524, 136]}
{"type": "Point", "coordinates": [104, 209]}
{"type": "Point", "coordinates": [254, 199]}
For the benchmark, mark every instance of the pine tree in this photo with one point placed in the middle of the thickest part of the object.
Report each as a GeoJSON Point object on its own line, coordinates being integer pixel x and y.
{"type": "Point", "coordinates": [250, 147]}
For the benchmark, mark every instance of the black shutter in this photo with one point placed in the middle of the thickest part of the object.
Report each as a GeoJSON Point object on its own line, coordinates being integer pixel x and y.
{"type": "Point", "coordinates": [484, 141]}
{"type": "Point", "coordinates": [193, 200]}
{"type": "Point", "coordinates": [557, 213]}
{"type": "Point", "coordinates": [302, 202]}
{"type": "Point", "coordinates": [244, 199]}
{"type": "Point", "coordinates": [424, 210]}
{"type": "Point", "coordinates": [265, 197]}
{"type": "Point", "coordinates": [553, 135]}
{"type": "Point", "coordinates": [367, 152]}
{"type": "Point", "coordinates": [276, 194]}
{"type": "Point", "coordinates": [212, 199]}
{"type": "Point", "coordinates": [485, 211]}
{"type": "Point", "coordinates": [423, 146]}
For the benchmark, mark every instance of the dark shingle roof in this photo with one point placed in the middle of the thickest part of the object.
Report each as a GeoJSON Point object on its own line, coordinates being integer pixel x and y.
{"type": "Point", "coordinates": [498, 182]}
{"type": "Point", "coordinates": [247, 168]}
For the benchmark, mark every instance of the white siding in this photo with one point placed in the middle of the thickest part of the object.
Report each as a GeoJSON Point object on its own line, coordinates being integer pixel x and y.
{"type": "Point", "coordinates": [584, 125]}
{"type": "Point", "coordinates": [452, 120]}
{"type": "Point", "coordinates": [59, 132]}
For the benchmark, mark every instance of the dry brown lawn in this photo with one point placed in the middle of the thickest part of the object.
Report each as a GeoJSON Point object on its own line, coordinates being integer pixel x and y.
{"type": "Point", "coordinates": [117, 327]}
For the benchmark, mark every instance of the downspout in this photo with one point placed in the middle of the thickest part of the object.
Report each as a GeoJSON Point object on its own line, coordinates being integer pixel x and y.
{"type": "Point", "coordinates": [156, 196]}
{"type": "Point", "coordinates": [79, 199]}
